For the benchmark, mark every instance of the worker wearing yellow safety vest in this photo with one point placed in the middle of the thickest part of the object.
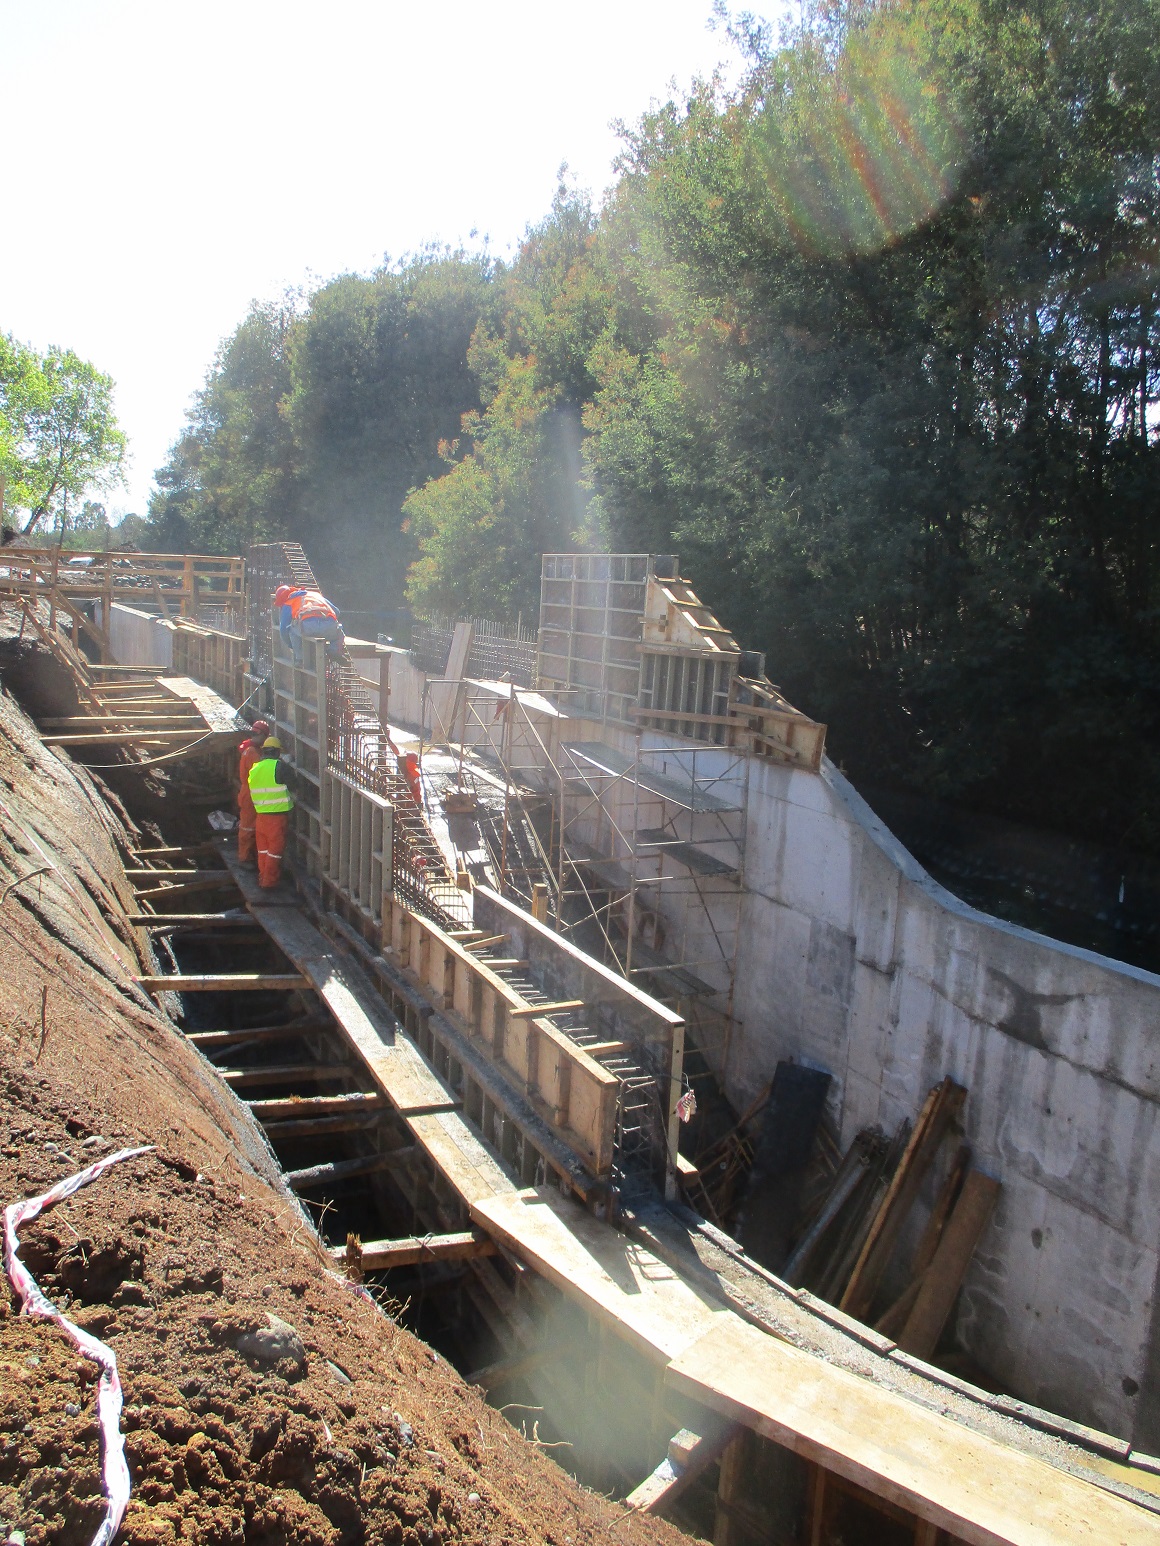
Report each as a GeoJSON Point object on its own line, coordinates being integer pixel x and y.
{"type": "Point", "coordinates": [269, 780]}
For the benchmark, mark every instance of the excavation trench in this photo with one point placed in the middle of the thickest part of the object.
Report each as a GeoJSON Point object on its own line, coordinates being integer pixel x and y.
{"type": "Point", "coordinates": [358, 1172]}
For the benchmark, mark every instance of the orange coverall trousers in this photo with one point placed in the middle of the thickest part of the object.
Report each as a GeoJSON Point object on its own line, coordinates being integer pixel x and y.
{"type": "Point", "coordinates": [246, 847]}
{"type": "Point", "coordinates": [270, 834]}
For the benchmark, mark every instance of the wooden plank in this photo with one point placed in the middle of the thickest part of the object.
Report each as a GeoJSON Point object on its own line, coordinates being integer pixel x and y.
{"type": "Point", "coordinates": [182, 851]}
{"type": "Point", "coordinates": [334, 1171]}
{"type": "Point", "coordinates": [689, 1456]}
{"type": "Point", "coordinates": [286, 1073]}
{"type": "Point", "coordinates": [460, 1157]}
{"type": "Point", "coordinates": [357, 1121]}
{"type": "Point", "coordinates": [493, 1375]}
{"type": "Point", "coordinates": [893, 1320]}
{"type": "Point", "coordinates": [948, 1266]}
{"type": "Point", "coordinates": [382, 1255]}
{"type": "Point", "coordinates": [219, 715]}
{"type": "Point", "coordinates": [185, 920]}
{"type": "Point", "coordinates": [132, 719]}
{"type": "Point", "coordinates": [227, 982]}
{"type": "Point", "coordinates": [618, 1281]}
{"type": "Point", "coordinates": [213, 880]}
{"type": "Point", "coordinates": [461, 641]}
{"type": "Point", "coordinates": [392, 1061]}
{"type": "Point", "coordinates": [942, 1105]}
{"type": "Point", "coordinates": [123, 737]}
{"type": "Point", "coordinates": [534, 1011]}
{"type": "Point", "coordinates": [141, 873]}
{"type": "Point", "coordinates": [206, 1041]}
{"type": "Point", "coordinates": [981, 1491]}
{"type": "Point", "coordinates": [293, 1107]}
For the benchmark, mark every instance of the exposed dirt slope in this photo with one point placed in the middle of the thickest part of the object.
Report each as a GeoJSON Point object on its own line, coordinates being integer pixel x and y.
{"type": "Point", "coordinates": [173, 1258]}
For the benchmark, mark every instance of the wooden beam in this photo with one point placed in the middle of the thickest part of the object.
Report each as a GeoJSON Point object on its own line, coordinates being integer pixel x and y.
{"type": "Point", "coordinates": [344, 1170]}
{"type": "Point", "coordinates": [187, 920]}
{"type": "Point", "coordinates": [206, 1041]}
{"type": "Point", "coordinates": [493, 1375]}
{"type": "Point", "coordinates": [285, 1073]}
{"type": "Point", "coordinates": [534, 1011]}
{"type": "Point", "coordinates": [182, 851]}
{"type": "Point", "coordinates": [382, 1255]}
{"type": "Point", "coordinates": [940, 1108]}
{"type": "Point", "coordinates": [211, 880]}
{"type": "Point", "coordinates": [136, 720]}
{"type": "Point", "coordinates": [135, 873]}
{"type": "Point", "coordinates": [689, 1456]}
{"type": "Point", "coordinates": [124, 737]}
{"type": "Point", "coordinates": [315, 1106]}
{"type": "Point", "coordinates": [952, 1256]}
{"type": "Point", "coordinates": [226, 982]}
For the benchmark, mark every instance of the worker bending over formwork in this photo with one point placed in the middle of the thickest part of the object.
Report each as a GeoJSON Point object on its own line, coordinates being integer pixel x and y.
{"type": "Point", "coordinates": [305, 613]}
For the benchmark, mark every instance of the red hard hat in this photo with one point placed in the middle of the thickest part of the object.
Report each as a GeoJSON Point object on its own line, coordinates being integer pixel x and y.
{"type": "Point", "coordinates": [261, 728]}
{"type": "Point", "coordinates": [281, 595]}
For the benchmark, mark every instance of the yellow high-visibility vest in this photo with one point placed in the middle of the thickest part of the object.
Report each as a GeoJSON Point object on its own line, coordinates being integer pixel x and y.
{"type": "Point", "coordinates": [269, 797]}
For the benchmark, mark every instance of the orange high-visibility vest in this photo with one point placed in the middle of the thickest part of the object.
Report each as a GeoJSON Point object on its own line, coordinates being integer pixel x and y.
{"type": "Point", "coordinates": [310, 603]}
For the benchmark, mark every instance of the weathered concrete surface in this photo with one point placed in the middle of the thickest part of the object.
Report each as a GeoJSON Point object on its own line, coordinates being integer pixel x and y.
{"type": "Point", "coordinates": [138, 638]}
{"type": "Point", "coordinates": [854, 959]}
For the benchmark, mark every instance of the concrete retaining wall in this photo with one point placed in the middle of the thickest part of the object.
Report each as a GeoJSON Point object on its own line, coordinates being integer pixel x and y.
{"type": "Point", "coordinates": [854, 959]}
{"type": "Point", "coordinates": [137, 639]}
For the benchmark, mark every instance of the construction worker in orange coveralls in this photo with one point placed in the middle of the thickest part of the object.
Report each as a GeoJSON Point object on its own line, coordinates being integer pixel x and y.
{"type": "Point", "coordinates": [247, 755]}
{"type": "Point", "coordinates": [273, 801]}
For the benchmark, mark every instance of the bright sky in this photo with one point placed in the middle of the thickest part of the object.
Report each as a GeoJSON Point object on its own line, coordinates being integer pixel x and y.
{"type": "Point", "coordinates": [166, 163]}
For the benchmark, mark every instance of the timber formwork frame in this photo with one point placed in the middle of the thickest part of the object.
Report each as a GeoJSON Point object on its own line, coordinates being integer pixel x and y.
{"type": "Point", "coordinates": [643, 856]}
{"type": "Point", "coordinates": [136, 711]}
{"type": "Point", "coordinates": [77, 583]}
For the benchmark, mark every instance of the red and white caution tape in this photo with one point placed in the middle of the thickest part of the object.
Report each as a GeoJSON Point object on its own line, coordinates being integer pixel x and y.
{"type": "Point", "coordinates": [33, 1302]}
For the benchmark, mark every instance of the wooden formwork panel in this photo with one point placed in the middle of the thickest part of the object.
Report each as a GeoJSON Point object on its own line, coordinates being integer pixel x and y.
{"type": "Point", "coordinates": [566, 1086]}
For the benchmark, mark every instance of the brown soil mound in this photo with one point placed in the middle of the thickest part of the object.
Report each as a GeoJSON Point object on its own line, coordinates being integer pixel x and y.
{"type": "Point", "coordinates": [175, 1257]}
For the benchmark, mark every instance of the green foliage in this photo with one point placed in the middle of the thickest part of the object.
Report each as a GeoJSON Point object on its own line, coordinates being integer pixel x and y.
{"type": "Point", "coordinates": [318, 416]}
{"type": "Point", "coordinates": [518, 491]}
{"type": "Point", "coordinates": [871, 340]}
{"type": "Point", "coordinates": [58, 434]}
{"type": "Point", "coordinates": [229, 480]}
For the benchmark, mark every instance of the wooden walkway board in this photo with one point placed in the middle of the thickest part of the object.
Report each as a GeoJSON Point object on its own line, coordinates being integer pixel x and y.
{"type": "Point", "coordinates": [619, 1282]}
{"type": "Point", "coordinates": [393, 1061]}
{"type": "Point", "coordinates": [459, 1155]}
{"type": "Point", "coordinates": [213, 708]}
{"type": "Point", "coordinates": [983, 1492]}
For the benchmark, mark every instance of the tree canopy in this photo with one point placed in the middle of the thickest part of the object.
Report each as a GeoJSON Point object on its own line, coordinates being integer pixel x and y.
{"type": "Point", "coordinates": [871, 340]}
{"type": "Point", "coordinates": [59, 437]}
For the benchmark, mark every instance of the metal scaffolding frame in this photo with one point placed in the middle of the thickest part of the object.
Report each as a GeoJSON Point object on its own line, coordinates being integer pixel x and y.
{"type": "Point", "coordinates": [567, 830]}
